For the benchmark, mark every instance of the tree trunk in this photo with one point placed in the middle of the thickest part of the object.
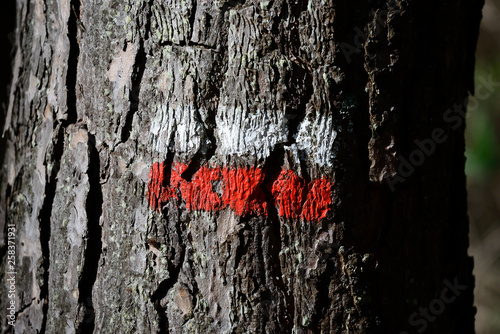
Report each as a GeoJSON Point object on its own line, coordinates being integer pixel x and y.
{"type": "Point", "coordinates": [232, 166]}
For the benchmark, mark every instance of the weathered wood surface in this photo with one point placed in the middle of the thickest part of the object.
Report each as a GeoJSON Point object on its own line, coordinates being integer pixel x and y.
{"type": "Point", "coordinates": [328, 89]}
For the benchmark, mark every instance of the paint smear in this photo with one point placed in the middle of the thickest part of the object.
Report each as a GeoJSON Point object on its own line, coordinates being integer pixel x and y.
{"type": "Point", "coordinates": [241, 189]}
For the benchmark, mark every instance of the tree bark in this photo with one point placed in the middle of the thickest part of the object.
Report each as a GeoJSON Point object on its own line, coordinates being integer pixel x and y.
{"type": "Point", "coordinates": [214, 166]}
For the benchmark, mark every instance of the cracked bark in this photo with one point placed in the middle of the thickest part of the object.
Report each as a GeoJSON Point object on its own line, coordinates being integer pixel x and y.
{"type": "Point", "coordinates": [103, 90]}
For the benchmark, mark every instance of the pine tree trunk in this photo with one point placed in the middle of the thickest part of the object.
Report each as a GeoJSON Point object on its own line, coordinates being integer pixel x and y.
{"type": "Point", "coordinates": [232, 166]}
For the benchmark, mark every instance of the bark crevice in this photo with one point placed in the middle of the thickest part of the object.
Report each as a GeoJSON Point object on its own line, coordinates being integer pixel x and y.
{"type": "Point", "coordinates": [137, 73]}
{"type": "Point", "coordinates": [44, 218]}
{"type": "Point", "coordinates": [74, 53]}
{"type": "Point", "coordinates": [183, 44]}
{"type": "Point", "coordinates": [93, 248]}
{"type": "Point", "coordinates": [24, 307]}
{"type": "Point", "coordinates": [192, 17]}
{"type": "Point", "coordinates": [163, 289]}
{"type": "Point", "coordinates": [273, 167]}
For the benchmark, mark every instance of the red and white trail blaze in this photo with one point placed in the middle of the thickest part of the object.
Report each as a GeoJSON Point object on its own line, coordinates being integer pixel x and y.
{"type": "Point", "coordinates": [240, 189]}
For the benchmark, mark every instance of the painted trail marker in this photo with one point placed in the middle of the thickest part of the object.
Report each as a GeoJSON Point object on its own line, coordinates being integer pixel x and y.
{"type": "Point", "coordinates": [241, 189]}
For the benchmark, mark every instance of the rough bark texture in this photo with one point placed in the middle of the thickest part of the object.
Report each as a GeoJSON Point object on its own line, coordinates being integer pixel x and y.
{"type": "Point", "coordinates": [332, 90]}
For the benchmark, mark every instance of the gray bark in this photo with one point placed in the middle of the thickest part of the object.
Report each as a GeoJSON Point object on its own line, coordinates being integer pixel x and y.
{"type": "Point", "coordinates": [101, 90]}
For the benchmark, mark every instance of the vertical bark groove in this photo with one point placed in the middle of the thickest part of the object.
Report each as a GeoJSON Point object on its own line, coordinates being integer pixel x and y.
{"type": "Point", "coordinates": [45, 221]}
{"type": "Point", "coordinates": [137, 74]}
{"type": "Point", "coordinates": [93, 247]}
{"type": "Point", "coordinates": [74, 53]}
{"type": "Point", "coordinates": [165, 286]}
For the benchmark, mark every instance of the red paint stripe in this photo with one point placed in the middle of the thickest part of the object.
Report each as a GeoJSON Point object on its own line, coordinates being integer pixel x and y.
{"type": "Point", "coordinates": [155, 188]}
{"type": "Point", "coordinates": [289, 193]}
{"type": "Point", "coordinates": [241, 190]}
{"type": "Point", "coordinates": [199, 193]}
{"type": "Point", "coordinates": [318, 201]}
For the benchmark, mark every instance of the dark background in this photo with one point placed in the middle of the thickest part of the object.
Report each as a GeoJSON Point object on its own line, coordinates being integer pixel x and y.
{"type": "Point", "coordinates": [7, 25]}
{"type": "Point", "coordinates": [483, 176]}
